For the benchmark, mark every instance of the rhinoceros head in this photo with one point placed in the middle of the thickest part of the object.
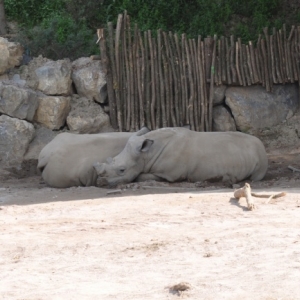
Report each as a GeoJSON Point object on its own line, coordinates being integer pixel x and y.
{"type": "Point", "coordinates": [127, 165]}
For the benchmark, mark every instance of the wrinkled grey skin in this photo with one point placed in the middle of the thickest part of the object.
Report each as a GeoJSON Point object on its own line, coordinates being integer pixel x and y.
{"type": "Point", "coordinates": [68, 159]}
{"type": "Point", "coordinates": [177, 154]}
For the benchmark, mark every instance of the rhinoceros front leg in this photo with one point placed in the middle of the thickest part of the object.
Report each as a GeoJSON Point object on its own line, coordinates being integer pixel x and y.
{"type": "Point", "coordinates": [148, 176]}
{"type": "Point", "coordinates": [245, 192]}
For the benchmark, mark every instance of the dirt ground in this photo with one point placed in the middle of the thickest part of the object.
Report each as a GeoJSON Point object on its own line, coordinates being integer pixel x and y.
{"type": "Point", "coordinates": [85, 243]}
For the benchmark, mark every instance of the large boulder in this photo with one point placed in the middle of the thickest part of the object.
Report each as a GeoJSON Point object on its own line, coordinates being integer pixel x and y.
{"type": "Point", "coordinates": [11, 55]}
{"type": "Point", "coordinates": [86, 116]}
{"type": "Point", "coordinates": [89, 79]}
{"type": "Point", "coordinates": [42, 137]}
{"type": "Point", "coordinates": [222, 119]}
{"type": "Point", "coordinates": [17, 101]}
{"type": "Point", "coordinates": [254, 108]}
{"type": "Point", "coordinates": [15, 136]}
{"type": "Point", "coordinates": [219, 94]}
{"type": "Point", "coordinates": [49, 77]}
{"type": "Point", "coordinates": [52, 111]}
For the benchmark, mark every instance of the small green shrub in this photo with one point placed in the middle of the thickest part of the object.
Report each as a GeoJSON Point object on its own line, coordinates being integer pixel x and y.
{"type": "Point", "coordinates": [29, 13]}
{"type": "Point", "coordinates": [59, 37]}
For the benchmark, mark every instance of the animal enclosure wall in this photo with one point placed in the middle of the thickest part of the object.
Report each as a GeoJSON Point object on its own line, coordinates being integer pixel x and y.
{"type": "Point", "coordinates": [159, 79]}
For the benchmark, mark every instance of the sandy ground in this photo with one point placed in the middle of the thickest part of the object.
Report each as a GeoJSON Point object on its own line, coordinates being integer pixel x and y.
{"type": "Point", "coordinates": [82, 243]}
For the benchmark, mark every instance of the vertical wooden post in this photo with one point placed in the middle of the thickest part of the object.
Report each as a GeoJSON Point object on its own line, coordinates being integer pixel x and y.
{"type": "Point", "coordinates": [211, 90]}
{"type": "Point", "coordinates": [109, 78]}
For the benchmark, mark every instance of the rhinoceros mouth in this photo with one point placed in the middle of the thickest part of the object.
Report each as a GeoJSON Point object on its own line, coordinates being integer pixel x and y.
{"type": "Point", "coordinates": [106, 182]}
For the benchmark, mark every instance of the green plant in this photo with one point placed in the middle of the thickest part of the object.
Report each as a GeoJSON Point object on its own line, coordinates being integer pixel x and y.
{"type": "Point", "coordinates": [29, 13]}
{"type": "Point", "coordinates": [59, 37]}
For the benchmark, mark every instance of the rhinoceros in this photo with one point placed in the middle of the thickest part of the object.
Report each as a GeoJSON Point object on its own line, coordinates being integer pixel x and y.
{"type": "Point", "coordinates": [68, 159]}
{"type": "Point", "coordinates": [178, 154]}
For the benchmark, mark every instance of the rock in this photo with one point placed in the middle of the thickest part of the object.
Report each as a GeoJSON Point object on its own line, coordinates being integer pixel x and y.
{"type": "Point", "coordinates": [52, 111]}
{"type": "Point", "coordinates": [86, 116]}
{"type": "Point", "coordinates": [11, 55]}
{"type": "Point", "coordinates": [47, 76]}
{"type": "Point", "coordinates": [219, 94]}
{"type": "Point", "coordinates": [4, 77]}
{"type": "Point", "coordinates": [15, 136]}
{"type": "Point", "coordinates": [89, 79]}
{"type": "Point", "coordinates": [42, 137]}
{"type": "Point", "coordinates": [222, 119]}
{"type": "Point", "coordinates": [254, 108]}
{"type": "Point", "coordinates": [17, 102]}
{"type": "Point", "coordinates": [16, 79]}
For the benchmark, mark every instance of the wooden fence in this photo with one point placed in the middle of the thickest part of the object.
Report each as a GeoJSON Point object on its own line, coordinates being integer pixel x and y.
{"type": "Point", "coordinates": [162, 79]}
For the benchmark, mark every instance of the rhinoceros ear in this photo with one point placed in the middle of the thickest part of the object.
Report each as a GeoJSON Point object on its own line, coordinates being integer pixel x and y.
{"type": "Point", "coordinates": [142, 131]}
{"type": "Point", "coordinates": [99, 168]}
{"type": "Point", "coordinates": [145, 146]}
{"type": "Point", "coordinates": [109, 160]}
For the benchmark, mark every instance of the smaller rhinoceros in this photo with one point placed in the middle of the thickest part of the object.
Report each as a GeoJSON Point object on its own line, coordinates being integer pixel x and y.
{"type": "Point", "coordinates": [177, 154]}
{"type": "Point", "coordinates": [68, 159]}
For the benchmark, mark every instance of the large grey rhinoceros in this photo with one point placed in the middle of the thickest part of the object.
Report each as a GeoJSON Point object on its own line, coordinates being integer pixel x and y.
{"type": "Point", "coordinates": [177, 154]}
{"type": "Point", "coordinates": [68, 159]}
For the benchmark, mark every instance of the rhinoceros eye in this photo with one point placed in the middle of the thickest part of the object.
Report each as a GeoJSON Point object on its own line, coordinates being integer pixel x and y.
{"type": "Point", "coordinates": [122, 170]}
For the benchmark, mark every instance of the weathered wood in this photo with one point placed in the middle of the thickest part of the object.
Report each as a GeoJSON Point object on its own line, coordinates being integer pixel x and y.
{"type": "Point", "coordinates": [232, 56]}
{"type": "Point", "coordinates": [131, 76]}
{"type": "Point", "coordinates": [208, 45]}
{"type": "Point", "coordinates": [206, 126]}
{"type": "Point", "coordinates": [109, 78]}
{"type": "Point", "coordinates": [141, 79]}
{"type": "Point", "coordinates": [118, 70]}
{"type": "Point", "coordinates": [293, 57]}
{"type": "Point", "coordinates": [258, 59]}
{"type": "Point", "coordinates": [113, 64]}
{"type": "Point", "coordinates": [180, 82]}
{"type": "Point", "coordinates": [281, 56]}
{"type": "Point", "coordinates": [171, 79]}
{"type": "Point", "coordinates": [136, 58]}
{"type": "Point", "coordinates": [268, 57]}
{"type": "Point", "coordinates": [211, 89]}
{"type": "Point", "coordinates": [249, 64]}
{"type": "Point", "coordinates": [228, 49]}
{"type": "Point", "coordinates": [253, 63]}
{"type": "Point", "coordinates": [241, 62]}
{"type": "Point", "coordinates": [167, 86]}
{"type": "Point", "coordinates": [171, 47]}
{"type": "Point", "coordinates": [127, 105]}
{"type": "Point", "coordinates": [202, 84]}
{"type": "Point", "coordinates": [196, 82]}
{"type": "Point", "coordinates": [184, 71]}
{"type": "Point", "coordinates": [147, 82]}
{"type": "Point", "coordinates": [265, 64]}
{"type": "Point", "coordinates": [161, 80]}
{"type": "Point", "coordinates": [276, 56]}
{"type": "Point", "coordinates": [273, 67]}
{"type": "Point", "coordinates": [245, 65]}
{"type": "Point", "coordinates": [153, 96]}
{"type": "Point", "coordinates": [287, 69]}
{"type": "Point", "coordinates": [218, 63]}
{"type": "Point", "coordinates": [237, 64]}
{"type": "Point", "coordinates": [297, 52]}
{"type": "Point", "coordinates": [223, 60]}
{"type": "Point", "coordinates": [156, 85]}
{"type": "Point", "coordinates": [192, 93]}
{"type": "Point", "coordinates": [289, 54]}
